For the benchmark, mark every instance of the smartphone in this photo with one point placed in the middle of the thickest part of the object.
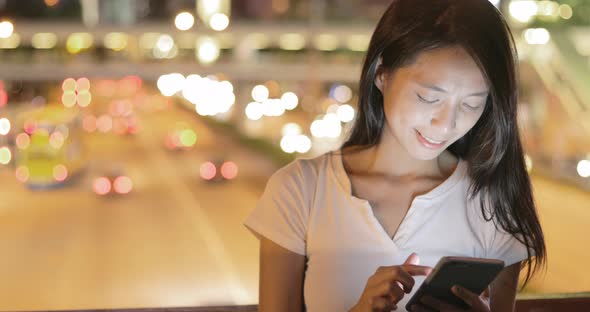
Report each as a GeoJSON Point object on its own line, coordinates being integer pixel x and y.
{"type": "Point", "coordinates": [474, 274]}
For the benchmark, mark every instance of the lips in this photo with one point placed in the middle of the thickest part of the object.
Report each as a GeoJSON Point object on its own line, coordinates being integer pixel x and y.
{"type": "Point", "coordinates": [428, 142]}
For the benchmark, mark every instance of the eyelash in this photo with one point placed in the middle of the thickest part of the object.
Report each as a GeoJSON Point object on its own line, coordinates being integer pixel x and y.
{"type": "Point", "coordinates": [424, 100]}
{"type": "Point", "coordinates": [470, 107]}
{"type": "Point", "coordinates": [434, 101]}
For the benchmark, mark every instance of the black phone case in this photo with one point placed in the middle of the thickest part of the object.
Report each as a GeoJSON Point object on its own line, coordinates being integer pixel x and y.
{"type": "Point", "coordinates": [472, 275]}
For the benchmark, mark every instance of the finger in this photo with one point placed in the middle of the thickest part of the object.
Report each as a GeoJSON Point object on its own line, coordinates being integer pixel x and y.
{"type": "Point", "coordinates": [416, 270]}
{"type": "Point", "coordinates": [379, 304]}
{"type": "Point", "coordinates": [469, 297]}
{"type": "Point", "coordinates": [396, 273]}
{"type": "Point", "coordinates": [390, 289]}
{"type": "Point", "coordinates": [413, 258]}
{"type": "Point", "coordinates": [486, 293]}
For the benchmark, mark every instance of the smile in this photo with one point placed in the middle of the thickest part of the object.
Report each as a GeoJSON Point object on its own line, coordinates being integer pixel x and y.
{"type": "Point", "coordinates": [428, 142]}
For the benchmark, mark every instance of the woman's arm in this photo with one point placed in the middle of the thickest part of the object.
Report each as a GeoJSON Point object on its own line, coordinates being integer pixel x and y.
{"type": "Point", "coordinates": [281, 278]}
{"type": "Point", "coordinates": [503, 289]}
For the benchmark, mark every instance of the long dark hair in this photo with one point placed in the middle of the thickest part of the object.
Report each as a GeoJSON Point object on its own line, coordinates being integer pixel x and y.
{"type": "Point", "coordinates": [492, 147]}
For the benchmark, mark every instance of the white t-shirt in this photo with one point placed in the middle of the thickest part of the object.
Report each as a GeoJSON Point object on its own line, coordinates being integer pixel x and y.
{"type": "Point", "coordinates": [307, 207]}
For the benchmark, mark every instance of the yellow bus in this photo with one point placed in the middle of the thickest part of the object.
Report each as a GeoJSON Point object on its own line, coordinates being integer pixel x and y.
{"type": "Point", "coordinates": [48, 150]}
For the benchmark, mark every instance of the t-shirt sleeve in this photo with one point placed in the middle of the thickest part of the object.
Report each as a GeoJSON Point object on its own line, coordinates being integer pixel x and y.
{"type": "Point", "coordinates": [505, 246]}
{"type": "Point", "coordinates": [282, 211]}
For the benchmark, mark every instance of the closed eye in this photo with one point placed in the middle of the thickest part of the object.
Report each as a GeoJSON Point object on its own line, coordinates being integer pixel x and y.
{"type": "Point", "coordinates": [425, 100]}
{"type": "Point", "coordinates": [471, 107]}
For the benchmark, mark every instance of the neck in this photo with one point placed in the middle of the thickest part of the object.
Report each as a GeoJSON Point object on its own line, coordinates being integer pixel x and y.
{"type": "Point", "coordinates": [378, 160]}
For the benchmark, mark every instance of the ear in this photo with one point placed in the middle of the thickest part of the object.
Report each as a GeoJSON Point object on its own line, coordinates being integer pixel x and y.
{"type": "Point", "coordinates": [379, 74]}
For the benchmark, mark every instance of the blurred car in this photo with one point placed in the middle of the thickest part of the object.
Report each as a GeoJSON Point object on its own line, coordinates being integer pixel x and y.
{"type": "Point", "coordinates": [49, 150]}
{"type": "Point", "coordinates": [218, 170]}
{"type": "Point", "coordinates": [113, 182]}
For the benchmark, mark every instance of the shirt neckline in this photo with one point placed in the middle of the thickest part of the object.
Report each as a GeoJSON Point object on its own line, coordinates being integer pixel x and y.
{"type": "Point", "coordinates": [434, 194]}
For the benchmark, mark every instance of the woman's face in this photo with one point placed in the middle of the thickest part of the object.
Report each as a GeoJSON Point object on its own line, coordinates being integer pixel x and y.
{"type": "Point", "coordinates": [434, 101]}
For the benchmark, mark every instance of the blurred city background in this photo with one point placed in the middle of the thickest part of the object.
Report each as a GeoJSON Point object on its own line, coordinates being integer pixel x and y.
{"type": "Point", "coordinates": [136, 136]}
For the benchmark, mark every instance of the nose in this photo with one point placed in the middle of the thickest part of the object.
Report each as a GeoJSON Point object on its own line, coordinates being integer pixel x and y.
{"type": "Point", "coordinates": [445, 119]}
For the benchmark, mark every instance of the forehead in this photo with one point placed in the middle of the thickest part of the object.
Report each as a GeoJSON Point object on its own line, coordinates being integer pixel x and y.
{"type": "Point", "coordinates": [450, 66]}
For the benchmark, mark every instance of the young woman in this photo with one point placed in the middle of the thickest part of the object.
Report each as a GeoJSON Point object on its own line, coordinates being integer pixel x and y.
{"type": "Point", "coordinates": [433, 167]}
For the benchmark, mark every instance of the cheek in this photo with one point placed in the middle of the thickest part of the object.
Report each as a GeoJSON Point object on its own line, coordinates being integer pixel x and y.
{"type": "Point", "coordinates": [406, 114]}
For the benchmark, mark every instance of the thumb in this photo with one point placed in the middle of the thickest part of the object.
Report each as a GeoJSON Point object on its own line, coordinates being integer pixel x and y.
{"type": "Point", "coordinates": [413, 258]}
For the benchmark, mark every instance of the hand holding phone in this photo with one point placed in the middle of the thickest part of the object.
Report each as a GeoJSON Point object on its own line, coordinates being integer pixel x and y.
{"type": "Point", "coordinates": [473, 275]}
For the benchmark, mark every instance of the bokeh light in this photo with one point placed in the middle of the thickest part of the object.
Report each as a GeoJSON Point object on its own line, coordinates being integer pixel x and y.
{"type": "Point", "coordinates": [291, 128]}
{"type": "Point", "coordinates": [326, 42]}
{"type": "Point", "coordinates": [56, 140]}
{"type": "Point", "coordinates": [83, 84]}
{"type": "Point", "coordinates": [116, 41]}
{"type": "Point", "coordinates": [583, 168]}
{"type": "Point", "coordinates": [22, 174]}
{"type": "Point", "coordinates": [207, 50]}
{"type": "Point", "coordinates": [188, 138]}
{"type": "Point", "coordinates": [289, 100]}
{"type": "Point", "coordinates": [358, 43]}
{"type": "Point", "coordinates": [22, 141]}
{"type": "Point", "coordinates": [208, 170]}
{"type": "Point", "coordinates": [566, 11]}
{"type": "Point", "coordinates": [6, 29]}
{"type": "Point", "coordinates": [51, 3]}
{"type": "Point", "coordinates": [83, 98]}
{"type": "Point", "coordinates": [328, 126]}
{"type": "Point", "coordinates": [4, 126]}
{"type": "Point", "coordinates": [5, 155]}
{"type": "Point", "coordinates": [184, 21]}
{"type": "Point", "coordinates": [523, 10]}
{"type": "Point", "coordinates": [60, 173]}
{"type": "Point", "coordinates": [260, 93]}
{"type": "Point", "coordinates": [292, 41]}
{"type": "Point", "coordinates": [69, 99]}
{"type": "Point", "coordinates": [69, 85]}
{"type": "Point", "coordinates": [341, 93]}
{"type": "Point", "coordinates": [123, 185]}
{"type": "Point", "coordinates": [30, 126]}
{"type": "Point", "coordinates": [3, 98]}
{"type": "Point", "coordinates": [104, 123]}
{"type": "Point", "coordinates": [345, 113]}
{"type": "Point", "coordinates": [44, 40]}
{"type": "Point", "coordinates": [254, 111]}
{"type": "Point", "coordinates": [229, 170]}
{"type": "Point", "coordinates": [101, 186]}
{"type": "Point", "coordinates": [89, 123]}
{"type": "Point", "coordinates": [11, 42]}
{"type": "Point", "coordinates": [169, 84]}
{"type": "Point", "coordinates": [78, 42]}
{"type": "Point", "coordinates": [219, 21]}
{"type": "Point", "coordinates": [295, 143]}
{"type": "Point", "coordinates": [538, 36]}
{"type": "Point", "coordinates": [210, 96]}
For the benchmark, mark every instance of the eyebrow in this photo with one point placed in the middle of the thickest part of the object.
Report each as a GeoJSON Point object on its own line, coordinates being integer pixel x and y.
{"type": "Point", "coordinates": [439, 89]}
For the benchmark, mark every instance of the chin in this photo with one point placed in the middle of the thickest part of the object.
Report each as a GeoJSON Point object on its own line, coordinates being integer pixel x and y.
{"type": "Point", "coordinates": [422, 153]}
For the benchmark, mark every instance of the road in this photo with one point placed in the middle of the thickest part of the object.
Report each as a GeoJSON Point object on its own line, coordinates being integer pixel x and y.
{"type": "Point", "coordinates": [177, 241]}
{"type": "Point", "coordinates": [174, 241]}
